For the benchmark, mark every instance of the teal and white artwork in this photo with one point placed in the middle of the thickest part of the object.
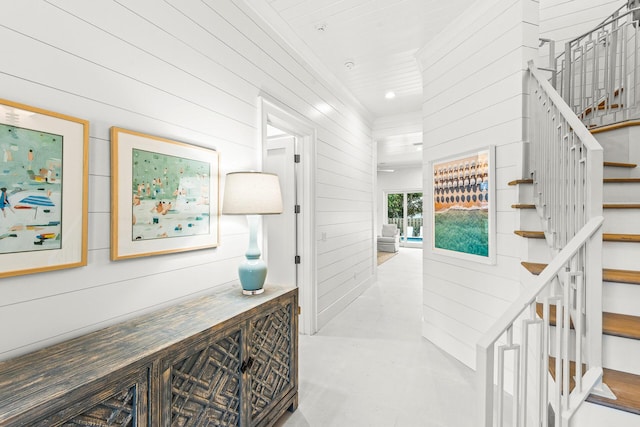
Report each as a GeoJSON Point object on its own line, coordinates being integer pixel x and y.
{"type": "Point", "coordinates": [170, 196]}
{"type": "Point", "coordinates": [164, 195]}
{"type": "Point", "coordinates": [30, 190]}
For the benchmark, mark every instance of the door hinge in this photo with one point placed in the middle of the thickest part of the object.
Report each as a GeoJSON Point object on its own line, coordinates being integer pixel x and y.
{"type": "Point", "coordinates": [299, 310]}
{"type": "Point", "coordinates": [297, 259]}
{"type": "Point", "coordinates": [296, 209]}
{"type": "Point", "coordinates": [296, 158]}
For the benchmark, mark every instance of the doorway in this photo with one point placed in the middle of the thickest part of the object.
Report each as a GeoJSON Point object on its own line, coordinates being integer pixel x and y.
{"type": "Point", "coordinates": [288, 143]}
{"type": "Point", "coordinates": [404, 208]}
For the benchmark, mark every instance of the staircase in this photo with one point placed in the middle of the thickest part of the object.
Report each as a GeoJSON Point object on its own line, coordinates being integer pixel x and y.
{"type": "Point", "coordinates": [574, 332]}
{"type": "Point", "coordinates": [621, 267]}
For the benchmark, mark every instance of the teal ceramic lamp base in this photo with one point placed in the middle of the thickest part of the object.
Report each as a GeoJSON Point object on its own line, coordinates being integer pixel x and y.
{"type": "Point", "coordinates": [253, 271]}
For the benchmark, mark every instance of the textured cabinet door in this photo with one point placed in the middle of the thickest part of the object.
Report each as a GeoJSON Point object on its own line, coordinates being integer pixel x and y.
{"type": "Point", "coordinates": [273, 371]}
{"type": "Point", "coordinates": [202, 383]}
{"type": "Point", "coordinates": [121, 403]}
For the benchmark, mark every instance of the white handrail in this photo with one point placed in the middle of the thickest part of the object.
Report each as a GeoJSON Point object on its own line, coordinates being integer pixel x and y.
{"type": "Point", "coordinates": [485, 348]}
{"type": "Point", "coordinates": [548, 274]}
{"type": "Point", "coordinates": [567, 113]}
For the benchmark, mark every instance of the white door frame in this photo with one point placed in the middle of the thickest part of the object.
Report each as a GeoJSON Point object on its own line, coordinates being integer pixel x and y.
{"type": "Point", "coordinates": [280, 116]}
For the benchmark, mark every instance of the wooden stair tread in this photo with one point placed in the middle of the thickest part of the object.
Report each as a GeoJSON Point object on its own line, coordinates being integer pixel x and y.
{"type": "Point", "coordinates": [624, 385]}
{"type": "Point", "coordinates": [621, 180]}
{"type": "Point", "coordinates": [530, 234]}
{"type": "Point", "coordinates": [621, 325]}
{"type": "Point", "coordinates": [612, 237]}
{"type": "Point", "coordinates": [605, 180]}
{"type": "Point", "coordinates": [619, 125]}
{"type": "Point", "coordinates": [606, 237]}
{"type": "Point", "coordinates": [620, 165]}
{"type": "Point", "coordinates": [613, 324]}
{"type": "Point", "coordinates": [608, 274]}
{"type": "Point", "coordinates": [621, 206]}
{"type": "Point", "coordinates": [605, 206]}
{"type": "Point", "coordinates": [521, 181]}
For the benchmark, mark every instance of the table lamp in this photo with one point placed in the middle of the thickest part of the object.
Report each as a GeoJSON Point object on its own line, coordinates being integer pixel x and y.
{"type": "Point", "coordinates": [252, 194]}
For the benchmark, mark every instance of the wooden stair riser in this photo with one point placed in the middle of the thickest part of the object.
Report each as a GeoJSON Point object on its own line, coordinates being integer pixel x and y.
{"type": "Point", "coordinates": [615, 351]}
{"type": "Point", "coordinates": [618, 353]}
{"type": "Point", "coordinates": [616, 190]}
{"type": "Point", "coordinates": [616, 221]}
{"type": "Point", "coordinates": [618, 342]}
{"type": "Point", "coordinates": [609, 275]}
{"type": "Point", "coordinates": [618, 255]}
{"type": "Point", "coordinates": [621, 221]}
{"type": "Point", "coordinates": [620, 145]}
{"type": "Point", "coordinates": [621, 193]}
{"type": "Point", "coordinates": [538, 250]}
{"type": "Point", "coordinates": [621, 256]}
{"type": "Point", "coordinates": [621, 298]}
{"type": "Point", "coordinates": [621, 172]}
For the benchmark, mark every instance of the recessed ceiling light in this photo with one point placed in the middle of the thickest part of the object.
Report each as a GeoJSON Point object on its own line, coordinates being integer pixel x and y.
{"type": "Point", "coordinates": [390, 95]}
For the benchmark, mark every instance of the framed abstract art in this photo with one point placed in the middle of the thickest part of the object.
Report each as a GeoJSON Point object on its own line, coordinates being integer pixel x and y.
{"type": "Point", "coordinates": [43, 190]}
{"type": "Point", "coordinates": [164, 195]}
{"type": "Point", "coordinates": [463, 206]}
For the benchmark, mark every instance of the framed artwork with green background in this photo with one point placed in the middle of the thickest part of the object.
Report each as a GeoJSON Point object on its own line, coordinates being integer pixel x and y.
{"type": "Point", "coordinates": [43, 190]}
{"type": "Point", "coordinates": [463, 206]}
{"type": "Point", "coordinates": [164, 195]}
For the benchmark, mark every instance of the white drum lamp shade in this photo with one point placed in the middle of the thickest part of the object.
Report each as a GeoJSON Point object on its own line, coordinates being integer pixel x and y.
{"type": "Point", "coordinates": [252, 193]}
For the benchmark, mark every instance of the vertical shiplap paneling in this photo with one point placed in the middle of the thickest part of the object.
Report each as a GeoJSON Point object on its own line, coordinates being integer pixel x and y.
{"type": "Point", "coordinates": [473, 97]}
{"type": "Point", "coordinates": [190, 71]}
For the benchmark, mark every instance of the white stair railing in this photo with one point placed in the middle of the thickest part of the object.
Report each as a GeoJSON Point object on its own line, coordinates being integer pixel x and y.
{"type": "Point", "coordinates": [567, 165]}
{"type": "Point", "coordinates": [599, 76]}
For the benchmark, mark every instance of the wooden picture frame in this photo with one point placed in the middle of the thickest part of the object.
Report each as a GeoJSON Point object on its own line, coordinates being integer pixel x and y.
{"type": "Point", "coordinates": [165, 196]}
{"type": "Point", "coordinates": [44, 164]}
{"type": "Point", "coordinates": [463, 206]}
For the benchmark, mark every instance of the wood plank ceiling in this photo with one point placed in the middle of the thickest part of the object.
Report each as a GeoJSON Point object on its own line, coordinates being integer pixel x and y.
{"type": "Point", "coordinates": [379, 37]}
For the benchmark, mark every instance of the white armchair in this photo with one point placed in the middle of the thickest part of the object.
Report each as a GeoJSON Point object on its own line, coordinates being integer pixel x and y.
{"type": "Point", "coordinates": [389, 240]}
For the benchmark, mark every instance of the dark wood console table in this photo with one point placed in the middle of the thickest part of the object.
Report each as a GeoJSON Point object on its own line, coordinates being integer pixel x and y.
{"type": "Point", "coordinates": [224, 359]}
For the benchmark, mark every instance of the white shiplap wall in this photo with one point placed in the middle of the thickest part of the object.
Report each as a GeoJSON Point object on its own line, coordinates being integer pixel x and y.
{"type": "Point", "coordinates": [562, 20]}
{"type": "Point", "coordinates": [190, 71]}
{"type": "Point", "coordinates": [473, 97]}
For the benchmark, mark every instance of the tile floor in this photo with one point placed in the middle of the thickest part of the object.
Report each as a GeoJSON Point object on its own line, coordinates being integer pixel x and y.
{"type": "Point", "coordinates": [370, 366]}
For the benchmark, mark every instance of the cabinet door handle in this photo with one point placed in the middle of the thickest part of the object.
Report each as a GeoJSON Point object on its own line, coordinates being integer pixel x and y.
{"type": "Point", "coordinates": [247, 364]}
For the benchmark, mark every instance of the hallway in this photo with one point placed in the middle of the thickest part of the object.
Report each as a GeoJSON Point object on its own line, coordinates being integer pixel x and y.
{"type": "Point", "coordinates": [370, 365]}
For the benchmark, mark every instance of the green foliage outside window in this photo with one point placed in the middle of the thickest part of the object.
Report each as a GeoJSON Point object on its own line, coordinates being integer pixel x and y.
{"type": "Point", "coordinates": [394, 206]}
